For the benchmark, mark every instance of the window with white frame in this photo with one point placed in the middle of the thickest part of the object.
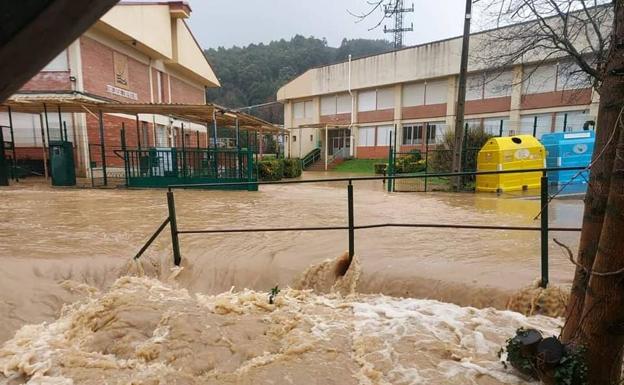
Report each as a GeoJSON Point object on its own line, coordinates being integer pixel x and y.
{"type": "Point", "coordinates": [571, 77]}
{"type": "Point", "coordinates": [413, 134]}
{"type": "Point", "coordinates": [343, 104]}
{"type": "Point", "coordinates": [383, 135]}
{"type": "Point", "coordinates": [366, 137]}
{"type": "Point", "coordinates": [309, 109]}
{"type": "Point", "coordinates": [299, 110]}
{"type": "Point", "coordinates": [162, 139]}
{"type": "Point", "coordinates": [328, 105]}
{"type": "Point", "coordinates": [413, 94]}
{"type": "Point", "coordinates": [498, 84]}
{"type": "Point", "coordinates": [436, 92]}
{"type": "Point", "coordinates": [385, 98]}
{"type": "Point", "coordinates": [367, 101]}
{"type": "Point", "coordinates": [303, 109]}
{"type": "Point", "coordinates": [59, 63]}
{"type": "Point", "coordinates": [571, 120]}
{"type": "Point", "coordinates": [539, 123]}
{"type": "Point", "coordinates": [474, 86]}
{"type": "Point", "coordinates": [492, 126]}
{"type": "Point", "coordinates": [435, 131]}
{"type": "Point", "coordinates": [539, 79]}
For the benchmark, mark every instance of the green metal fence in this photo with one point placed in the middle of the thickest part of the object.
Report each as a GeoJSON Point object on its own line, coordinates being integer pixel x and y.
{"type": "Point", "coordinates": [160, 167]}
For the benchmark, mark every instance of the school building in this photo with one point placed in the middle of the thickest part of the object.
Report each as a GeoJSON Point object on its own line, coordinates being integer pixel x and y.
{"type": "Point", "coordinates": [349, 109]}
{"type": "Point", "coordinates": [139, 52]}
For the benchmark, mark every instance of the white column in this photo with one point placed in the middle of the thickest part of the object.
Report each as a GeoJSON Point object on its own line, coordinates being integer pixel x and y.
{"type": "Point", "coordinates": [516, 98]}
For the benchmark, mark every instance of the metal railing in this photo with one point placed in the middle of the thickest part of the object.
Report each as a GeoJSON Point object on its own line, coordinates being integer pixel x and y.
{"type": "Point", "coordinates": [311, 158]}
{"type": "Point", "coordinates": [350, 227]}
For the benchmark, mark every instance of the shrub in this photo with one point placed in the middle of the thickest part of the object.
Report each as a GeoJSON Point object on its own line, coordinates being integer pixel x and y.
{"type": "Point", "coordinates": [441, 159]}
{"type": "Point", "coordinates": [270, 169]}
{"type": "Point", "coordinates": [380, 168]}
{"type": "Point", "coordinates": [410, 163]}
{"type": "Point", "coordinates": [292, 167]}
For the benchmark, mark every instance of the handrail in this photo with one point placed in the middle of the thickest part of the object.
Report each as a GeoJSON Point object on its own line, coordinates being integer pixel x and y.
{"type": "Point", "coordinates": [544, 227]}
{"type": "Point", "coordinates": [369, 178]}
{"type": "Point", "coordinates": [311, 158]}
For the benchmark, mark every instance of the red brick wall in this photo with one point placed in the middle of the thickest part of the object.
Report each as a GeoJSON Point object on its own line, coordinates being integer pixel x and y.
{"type": "Point", "coordinates": [556, 99]}
{"type": "Point", "coordinates": [378, 152]}
{"type": "Point", "coordinates": [375, 116]}
{"type": "Point", "coordinates": [336, 119]}
{"type": "Point", "coordinates": [112, 138]}
{"type": "Point", "coordinates": [419, 112]}
{"type": "Point", "coordinates": [98, 72]}
{"type": "Point", "coordinates": [485, 106]}
{"type": "Point", "coordinates": [182, 92]}
{"type": "Point", "coordinates": [49, 81]}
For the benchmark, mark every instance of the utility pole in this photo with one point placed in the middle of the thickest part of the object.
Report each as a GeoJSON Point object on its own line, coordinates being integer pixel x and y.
{"type": "Point", "coordinates": [395, 9]}
{"type": "Point", "coordinates": [461, 98]}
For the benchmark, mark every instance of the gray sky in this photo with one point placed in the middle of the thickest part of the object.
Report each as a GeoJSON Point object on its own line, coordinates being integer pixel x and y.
{"type": "Point", "coordinates": [236, 22]}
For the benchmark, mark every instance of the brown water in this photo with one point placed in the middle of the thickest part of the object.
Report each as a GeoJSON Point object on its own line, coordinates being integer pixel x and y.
{"type": "Point", "coordinates": [88, 236]}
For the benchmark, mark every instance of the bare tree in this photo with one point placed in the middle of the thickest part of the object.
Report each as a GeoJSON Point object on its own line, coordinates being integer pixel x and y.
{"type": "Point", "coordinates": [590, 35]}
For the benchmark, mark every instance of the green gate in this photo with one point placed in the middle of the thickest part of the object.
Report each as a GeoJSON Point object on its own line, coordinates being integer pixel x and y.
{"type": "Point", "coordinates": [161, 167]}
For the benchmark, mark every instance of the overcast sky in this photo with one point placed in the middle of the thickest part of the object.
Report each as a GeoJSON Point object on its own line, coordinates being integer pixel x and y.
{"type": "Point", "coordinates": [241, 22]}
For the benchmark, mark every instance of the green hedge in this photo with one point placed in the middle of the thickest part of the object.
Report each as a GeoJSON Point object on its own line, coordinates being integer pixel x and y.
{"type": "Point", "coordinates": [380, 168]}
{"type": "Point", "coordinates": [292, 168]}
{"type": "Point", "coordinates": [270, 169]}
{"type": "Point", "coordinates": [410, 163]}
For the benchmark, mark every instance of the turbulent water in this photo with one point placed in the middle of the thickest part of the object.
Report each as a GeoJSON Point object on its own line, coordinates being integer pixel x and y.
{"type": "Point", "coordinates": [145, 332]}
{"type": "Point", "coordinates": [63, 246]}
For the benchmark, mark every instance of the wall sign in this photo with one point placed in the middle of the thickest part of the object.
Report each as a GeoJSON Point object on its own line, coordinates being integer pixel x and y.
{"type": "Point", "coordinates": [121, 92]}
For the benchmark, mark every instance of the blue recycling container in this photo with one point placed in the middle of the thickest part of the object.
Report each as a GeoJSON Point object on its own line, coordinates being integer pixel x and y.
{"type": "Point", "coordinates": [569, 149]}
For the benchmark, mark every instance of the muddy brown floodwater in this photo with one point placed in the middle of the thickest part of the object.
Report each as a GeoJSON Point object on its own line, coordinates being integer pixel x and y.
{"type": "Point", "coordinates": [59, 246]}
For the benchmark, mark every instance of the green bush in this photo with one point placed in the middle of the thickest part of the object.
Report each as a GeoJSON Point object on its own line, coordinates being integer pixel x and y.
{"type": "Point", "coordinates": [292, 167]}
{"type": "Point", "coordinates": [270, 169]}
{"type": "Point", "coordinates": [380, 168]}
{"type": "Point", "coordinates": [441, 158]}
{"type": "Point", "coordinates": [410, 163]}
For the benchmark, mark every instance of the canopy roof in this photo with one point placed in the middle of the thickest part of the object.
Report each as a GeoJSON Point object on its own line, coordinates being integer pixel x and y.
{"type": "Point", "coordinates": [82, 102]}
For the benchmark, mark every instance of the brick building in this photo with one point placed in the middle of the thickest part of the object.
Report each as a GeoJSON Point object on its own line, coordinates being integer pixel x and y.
{"type": "Point", "coordinates": [349, 109]}
{"type": "Point", "coordinates": [136, 53]}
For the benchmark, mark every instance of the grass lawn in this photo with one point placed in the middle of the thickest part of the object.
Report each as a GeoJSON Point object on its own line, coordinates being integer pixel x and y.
{"type": "Point", "coordinates": [358, 166]}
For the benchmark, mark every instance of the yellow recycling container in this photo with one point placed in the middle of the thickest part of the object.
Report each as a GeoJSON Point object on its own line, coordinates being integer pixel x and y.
{"type": "Point", "coordinates": [519, 152]}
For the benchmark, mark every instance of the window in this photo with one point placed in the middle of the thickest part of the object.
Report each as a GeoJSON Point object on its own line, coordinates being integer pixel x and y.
{"type": "Point", "coordinates": [366, 136]}
{"type": "Point", "coordinates": [144, 134]}
{"type": "Point", "coordinates": [294, 138]}
{"type": "Point", "coordinates": [412, 134]}
{"type": "Point", "coordinates": [309, 107]}
{"type": "Point", "coordinates": [436, 92]}
{"type": "Point", "coordinates": [528, 123]}
{"type": "Point", "coordinates": [384, 134]}
{"type": "Point", "coordinates": [539, 79]}
{"type": "Point", "coordinates": [435, 131]}
{"type": "Point", "coordinates": [59, 63]}
{"type": "Point", "coordinates": [413, 95]}
{"type": "Point", "coordinates": [385, 98]}
{"type": "Point", "coordinates": [311, 138]}
{"type": "Point", "coordinates": [328, 105]}
{"type": "Point", "coordinates": [474, 87]}
{"type": "Point", "coordinates": [498, 84]}
{"type": "Point", "coordinates": [343, 104]}
{"type": "Point", "coordinates": [367, 101]}
{"type": "Point", "coordinates": [299, 110]}
{"type": "Point", "coordinates": [571, 120]}
{"type": "Point", "coordinates": [161, 136]}
{"type": "Point", "coordinates": [492, 126]}
{"type": "Point", "coordinates": [571, 77]}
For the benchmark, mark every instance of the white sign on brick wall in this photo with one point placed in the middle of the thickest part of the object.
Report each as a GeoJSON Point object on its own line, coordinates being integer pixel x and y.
{"type": "Point", "coordinates": [121, 92]}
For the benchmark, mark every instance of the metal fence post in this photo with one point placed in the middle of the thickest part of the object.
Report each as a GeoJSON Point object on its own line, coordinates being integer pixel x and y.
{"type": "Point", "coordinates": [544, 228]}
{"type": "Point", "coordinates": [250, 168]}
{"type": "Point", "coordinates": [124, 149]}
{"type": "Point", "coordinates": [351, 222]}
{"type": "Point", "coordinates": [173, 225]}
{"type": "Point", "coordinates": [390, 163]}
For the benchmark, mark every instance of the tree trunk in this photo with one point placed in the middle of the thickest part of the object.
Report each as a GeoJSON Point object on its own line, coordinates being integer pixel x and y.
{"type": "Point", "coordinates": [602, 327]}
{"type": "Point", "coordinates": [611, 101]}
